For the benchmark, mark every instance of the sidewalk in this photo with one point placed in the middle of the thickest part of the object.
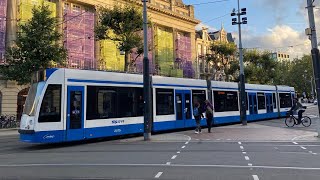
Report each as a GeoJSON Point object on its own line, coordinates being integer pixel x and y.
{"type": "Point", "coordinates": [9, 132]}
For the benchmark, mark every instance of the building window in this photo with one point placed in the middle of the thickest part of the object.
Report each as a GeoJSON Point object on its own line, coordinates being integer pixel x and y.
{"type": "Point", "coordinates": [285, 100]}
{"type": "Point", "coordinates": [164, 101]}
{"type": "Point", "coordinates": [114, 102]}
{"type": "Point", "coordinates": [225, 101]}
{"type": "Point", "coordinates": [50, 110]}
{"type": "Point", "coordinates": [76, 8]}
{"type": "Point", "coordinates": [261, 101]}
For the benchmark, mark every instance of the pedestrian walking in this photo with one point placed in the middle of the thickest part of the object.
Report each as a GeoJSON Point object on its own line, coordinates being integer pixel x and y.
{"type": "Point", "coordinates": [208, 108]}
{"type": "Point", "coordinates": [197, 116]}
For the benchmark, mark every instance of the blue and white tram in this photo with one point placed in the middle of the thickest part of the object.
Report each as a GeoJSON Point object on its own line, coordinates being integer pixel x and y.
{"type": "Point", "coordinates": [73, 105]}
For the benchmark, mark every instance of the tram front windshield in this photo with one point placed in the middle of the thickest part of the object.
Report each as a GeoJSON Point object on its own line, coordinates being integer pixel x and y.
{"type": "Point", "coordinates": [33, 98]}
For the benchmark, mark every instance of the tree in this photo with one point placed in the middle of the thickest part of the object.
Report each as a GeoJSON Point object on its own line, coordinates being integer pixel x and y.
{"type": "Point", "coordinates": [36, 47]}
{"type": "Point", "coordinates": [122, 25]}
{"type": "Point", "coordinates": [260, 67]}
{"type": "Point", "coordinates": [223, 53]}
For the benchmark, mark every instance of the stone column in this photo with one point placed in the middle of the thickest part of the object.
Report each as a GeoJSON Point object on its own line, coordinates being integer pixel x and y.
{"type": "Point", "coordinates": [11, 34]}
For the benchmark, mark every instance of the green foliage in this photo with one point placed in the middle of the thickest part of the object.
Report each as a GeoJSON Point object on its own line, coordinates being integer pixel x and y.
{"type": "Point", "coordinates": [297, 73]}
{"type": "Point", "coordinates": [260, 67]}
{"type": "Point", "coordinates": [121, 24]}
{"type": "Point", "coordinates": [222, 56]}
{"type": "Point", "coordinates": [36, 48]}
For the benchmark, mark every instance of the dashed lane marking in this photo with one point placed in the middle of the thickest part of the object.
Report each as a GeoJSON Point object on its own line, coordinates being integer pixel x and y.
{"type": "Point", "coordinates": [247, 158]}
{"type": "Point", "coordinates": [168, 163]}
{"type": "Point", "coordinates": [173, 157]}
{"type": "Point", "coordinates": [255, 177]}
{"type": "Point", "coordinates": [178, 152]}
{"type": "Point", "coordinates": [183, 147]}
{"type": "Point", "coordinates": [239, 142]}
{"type": "Point", "coordinates": [303, 147]}
{"type": "Point", "coordinates": [294, 142]}
{"type": "Point", "coordinates": [187, 142]}
{"type": "Point", "coordinates": [241, 147]}
{"type": "Point", "coordinates": [244, 152]}
{"type": "Point", "coordinates": [249, 164]}
{"type": "Point", "coordinates": [158, 175]}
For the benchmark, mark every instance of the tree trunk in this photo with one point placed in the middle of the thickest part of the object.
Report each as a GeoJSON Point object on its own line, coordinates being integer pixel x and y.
{"type": "Point", "coordinates": [126, 61]}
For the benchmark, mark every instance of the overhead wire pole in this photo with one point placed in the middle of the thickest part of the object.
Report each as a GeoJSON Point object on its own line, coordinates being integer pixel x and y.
{"type": "Point", "coordinates": [311, 31]}
{"type": "Point", "coordinates": [243, 109]}
{"type": "Point", "coordinates": [146, 77]}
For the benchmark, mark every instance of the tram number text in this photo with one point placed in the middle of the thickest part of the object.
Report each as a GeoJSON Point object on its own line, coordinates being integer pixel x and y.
{"type": "Point", "coordinates": [117, 121]}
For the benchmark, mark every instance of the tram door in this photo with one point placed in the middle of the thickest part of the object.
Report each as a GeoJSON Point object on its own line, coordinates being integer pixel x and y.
{"type": "Point", "coordinates": [253, 109]}
{"type": "Point", "coordinates": [183, 107]}
{"type": "Point", "coordinates": [75, 113]}
{"type": "Point", "coordinates": [269, 102]}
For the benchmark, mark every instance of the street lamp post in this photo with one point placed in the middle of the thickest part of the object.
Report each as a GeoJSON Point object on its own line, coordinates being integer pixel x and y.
{"type": "Point", "coordinates": [146, 77]}
{"type": "Point", "coordinates": [239, 21]}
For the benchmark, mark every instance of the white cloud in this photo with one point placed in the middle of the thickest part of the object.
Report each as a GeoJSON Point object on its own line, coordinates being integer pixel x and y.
{"type": "Point", "coordinates": [281, 38]}
{"type": "Point", "coordinates": [210, 28]}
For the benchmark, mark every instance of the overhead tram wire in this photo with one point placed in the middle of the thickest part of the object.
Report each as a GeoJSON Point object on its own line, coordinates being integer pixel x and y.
{"type": "Point", "coordinates": [219, 17]}
{"type": "Point", "coordinates": [210, 2]}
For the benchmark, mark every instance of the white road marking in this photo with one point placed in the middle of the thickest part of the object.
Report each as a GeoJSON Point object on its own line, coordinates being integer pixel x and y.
{"type": "Point", "coordinates": [244, 152]}
{"type": "Point", "coordinates": [163, 165]}
{"type": "Point", "coordinates": [294, 142]}
{"type": "Point", "coordinates": [303, 147]}
{"type": "Point", "coordinates": [276, 148]}
{"type": "Point", "coordinates": [158, 175]}
{"type": "Point", "coordinates": [241, 147]}
{"type": "Point", "coordinates": [178, 152]}
{"type": "Point", "coordinates": [187, 142]}
{"type": "Point", "coordinates": [255, 177]}
{"type": "Point", "coordinates": [239, 142]}
{"type": "Point", "coordinates": [314, 153]}
{"type": "Point", "coordinates": [183, 147]}
{"type": "Point", "coordinates": [247, 158]}
{"type": "Point", "coordinates": [311, 135]}
{"type": "Point", "coordinates": [249, 164]}
{"type": "Point", "coordinates": [173, 157]}
{"type": "Point", "coordinates": [310, 152]}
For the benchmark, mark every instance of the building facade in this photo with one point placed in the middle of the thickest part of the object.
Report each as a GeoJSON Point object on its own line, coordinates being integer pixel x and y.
{"type": "Point", "coordinates": [204, 40]}
{"type": "Point", "coordinates": [171, 38]}
{"type": "Point", "coordinates": [279, 56]}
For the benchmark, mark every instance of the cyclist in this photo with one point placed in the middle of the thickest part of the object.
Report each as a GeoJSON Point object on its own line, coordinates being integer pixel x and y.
{"type": "Point", "coordinates": [297, 106]}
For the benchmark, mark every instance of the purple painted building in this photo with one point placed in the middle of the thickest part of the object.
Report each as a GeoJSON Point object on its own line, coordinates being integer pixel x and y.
{"type": "Point", "coordinates": [3, 16]}
{"type": "Point", "coordinates": [79, 37]}
{"type": "Point", "coordinates": [184, 55]}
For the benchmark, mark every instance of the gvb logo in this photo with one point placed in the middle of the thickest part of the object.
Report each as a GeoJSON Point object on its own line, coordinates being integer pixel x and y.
{"type": "Point", "coordinates": [48, 136]}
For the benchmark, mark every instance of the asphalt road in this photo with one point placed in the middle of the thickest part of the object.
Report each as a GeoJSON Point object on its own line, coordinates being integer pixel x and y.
{"type": "Point", "coordinates": [184, 158]}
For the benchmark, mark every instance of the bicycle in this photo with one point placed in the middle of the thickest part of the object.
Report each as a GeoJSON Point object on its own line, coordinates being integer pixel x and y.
{"type": "Point", "coordinates": [291, 120]}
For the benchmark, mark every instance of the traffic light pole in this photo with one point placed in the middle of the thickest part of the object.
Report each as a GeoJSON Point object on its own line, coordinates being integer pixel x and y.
{"type": "Point", "coordinates": [315, 56]}
{"type": "Point", "coordinates": [146, 77]}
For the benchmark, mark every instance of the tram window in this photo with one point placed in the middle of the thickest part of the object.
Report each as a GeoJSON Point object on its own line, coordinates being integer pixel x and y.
{"type": "Point", "coordinates": [50, 110]}
{"type": "Point", "coordinates": [274, 101]}
{"type": "Point", "coordinates": [285, 100]}
{"type": "Point", "coordinates": [198, 96]}
{"type": "Point", "coordinates": [261, 101]}
{"type": "Point", "coordinates": [164, 101]}
{"type": "Point", "coordinates": [247, 103]}
{"type": "Point", "coordinates": [225, 101]}
{"type": "Point", "coordinates": [114, 102]}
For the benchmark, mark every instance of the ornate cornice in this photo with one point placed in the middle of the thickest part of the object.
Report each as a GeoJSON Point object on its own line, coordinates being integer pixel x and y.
{"type": "Point", "coordinates": [167, 12]}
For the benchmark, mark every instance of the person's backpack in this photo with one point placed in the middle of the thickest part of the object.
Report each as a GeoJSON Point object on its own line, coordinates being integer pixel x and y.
{"type": "Point", "coordinates": [196, 111]}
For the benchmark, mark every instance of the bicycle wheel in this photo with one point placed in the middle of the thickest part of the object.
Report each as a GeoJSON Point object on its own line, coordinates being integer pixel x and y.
{"type": "Point", "coordinates": [306, 121]}
{"type": "Point", "coordinates": [289, 121]}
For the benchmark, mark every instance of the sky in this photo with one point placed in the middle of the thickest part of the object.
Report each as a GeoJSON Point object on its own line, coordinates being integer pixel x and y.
{"type": "Point", "coordinates": [273, 25]}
